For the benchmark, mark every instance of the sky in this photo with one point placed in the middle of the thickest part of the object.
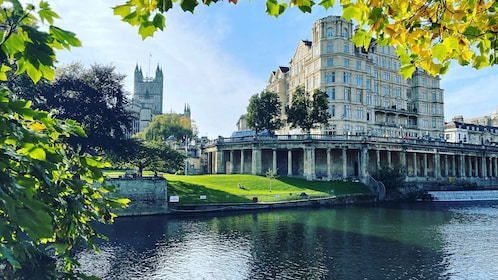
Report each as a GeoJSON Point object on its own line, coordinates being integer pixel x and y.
{"type": "Point", "coordinates": [218, 57]}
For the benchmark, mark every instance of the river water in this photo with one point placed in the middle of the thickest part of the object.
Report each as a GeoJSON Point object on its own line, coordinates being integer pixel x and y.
{"type": "Point", "coordinates": [419, 240]}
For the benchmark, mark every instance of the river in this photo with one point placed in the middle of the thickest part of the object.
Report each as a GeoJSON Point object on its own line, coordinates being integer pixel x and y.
{"type": "Point", "coordinates": [419, 240]}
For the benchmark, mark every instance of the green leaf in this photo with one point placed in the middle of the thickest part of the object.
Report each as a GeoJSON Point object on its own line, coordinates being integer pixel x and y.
{"type": "Point", "coordinates": [275, 9]}
{"type": "Point", "coordinates": [351, 12]}
{"type": "Point", "coordinates": [439, 52]}
{"type": "Point", "coordinates": [188, 5]}
{"type": "Point", "coordinates": [146, 29]}
{"type": "Point", "coordinates": [65, 38]}
{"type": "Point", "coordinates": [327, 4]}
{"type": "Point", "coordinates": [471, 32]}
{"type": "Point", "coordinates": [159, 21]}
{"type": "Point", "coordinates": [38, 153]}
{"type": "Point", "coordinates": [164, 5]}
{"type": "Point", "coordinates": [122, 10]}
{"type": "Point", "coordinates": [46, 13]}
{"type": "Point", "coordinates": [407, 70]}
{"type": "Point", "coordinates": [6, 253]}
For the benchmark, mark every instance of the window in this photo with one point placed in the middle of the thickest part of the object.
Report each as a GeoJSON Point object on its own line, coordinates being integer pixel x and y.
{"type": "Point", "coordinates": [433, 123]}
{"type": "Point", "coordinates": [332, 110]}
{"type": "Point", "coordinates": [368, 84]}
{"type": "Point", "coordinates": [389, 64]}
{"type": "Point", "coordinates": [386, 90]}
{"type": "Point", "coordinates": [359, 113]}
{"type": "Point", "coordinates": [376, 101]}
{"type": "Point", "coordinates": [359, 80]}
{"type": "Point", "coordinates": [347, 94]}
{"type": "Point", "coordinates": [369, 99]}
{"type": "Point", "coordinates": [424, 95]}
{"type": "Point", "coordinates": [330, 48]}
{"type": "Point", "coordinates": [397, 92]}
{"type": "Point", "coordinates": [344, 32]}
{"type": "Point", "coordinates": [423, 108]}
{"type": "Point", "coordinates": [376, 73]}
{"type": "Point", "coordinates": [424, 81]}
{"type": "Point", "coordinates": [346, 48]}
{"type": "Point", "coordinates": [398, 105]}
{"type": "Point", "coordinates": [329, 77]}
{"type": "Point", "coordinates": [397, 78]}
{"type": "Point", "coordinates": [433, 83]}
{"type": "Point", "coordinates": [434, 109]}
{"type": "Point", "coordinates": [330, 32]}
{"type": "Point", "coordinates": [347, 111]}
{"type": "Point", "coordinates": [346, 62]}
{"type": "Point", "coordinates": [359, 96]}
{"type": "Point", "coordinates": [358, 65]}
{"type": "Point", "coordinates": [330, 62]}
{"type": "Point", "coordinates": [386, 103]}
{"type": "Point", "coordinates": [330, 91]}
{"type": "Point", "coordinates": [434, 96]}
{"type": "Point", "coordinates": [386, 76]}
{"type": "Point", "coordinates": [382, 63]}
{"type": "Point", "coordinates": [376, 88]}
{"type": "Point", "coordinates": [368, 69]}
{"type": "Point", "coordinates": [347, 78]}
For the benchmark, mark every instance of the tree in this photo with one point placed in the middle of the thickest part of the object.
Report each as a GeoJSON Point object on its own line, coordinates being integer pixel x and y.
{"type": "Point", "coordinates": [263, 112]}
{"type": "Point", "coordinates": [426, 34]}
{"type": "Point", "coordinates": [307, 112]}
{"type": "Point", "coordinates": [391, 177]}
{"type": "Point", "coordinates": [165, 125]}
{"type": "Point", "coordinates": [152, 155]}
{"type": "Point", "coordinates": [50, 195]}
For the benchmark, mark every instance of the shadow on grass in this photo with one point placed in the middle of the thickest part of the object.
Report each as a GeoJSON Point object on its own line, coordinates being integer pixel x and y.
{"type": "Point", "coordinates": [191, 194]}
{"type": "Point", "coordinates": [335, 187]}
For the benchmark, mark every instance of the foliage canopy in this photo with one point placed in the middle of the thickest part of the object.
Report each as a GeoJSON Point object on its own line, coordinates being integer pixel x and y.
{"type": "Point", "coordinates": [263, 112]}
{"type": "Point", "coordinates": [49, 194]}
{"type": "Point", "coordinates": [306, 110]}
{"type": "Point", "coordinates": [426, 34]}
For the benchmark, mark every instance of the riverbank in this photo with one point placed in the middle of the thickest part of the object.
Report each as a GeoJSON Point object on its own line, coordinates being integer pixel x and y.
{"type": "Point", "coordinates": [311, 202]}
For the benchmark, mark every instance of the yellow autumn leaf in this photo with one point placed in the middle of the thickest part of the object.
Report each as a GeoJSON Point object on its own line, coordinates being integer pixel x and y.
{"type": "Point", "coordinates": [37, 126]}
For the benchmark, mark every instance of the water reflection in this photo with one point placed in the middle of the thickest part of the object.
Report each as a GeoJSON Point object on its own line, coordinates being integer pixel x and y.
{"type": "Point", "coordinates": [396, 241]}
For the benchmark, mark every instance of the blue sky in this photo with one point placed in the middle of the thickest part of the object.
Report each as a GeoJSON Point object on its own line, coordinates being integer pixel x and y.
{"type": "Point", "coordinates": [217, 58]}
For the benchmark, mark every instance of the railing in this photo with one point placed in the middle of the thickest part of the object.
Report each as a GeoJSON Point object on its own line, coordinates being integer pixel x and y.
{"type": "Point", "coordinates": [347, 139]}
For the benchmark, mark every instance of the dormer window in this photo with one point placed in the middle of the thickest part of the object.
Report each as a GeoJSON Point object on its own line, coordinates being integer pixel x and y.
{"type": "Point", "coordinates": [330, 32]}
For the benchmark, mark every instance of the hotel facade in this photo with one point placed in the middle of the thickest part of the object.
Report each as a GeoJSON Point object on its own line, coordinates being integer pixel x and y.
{"type": "Point", "coordinates": [367, 95]}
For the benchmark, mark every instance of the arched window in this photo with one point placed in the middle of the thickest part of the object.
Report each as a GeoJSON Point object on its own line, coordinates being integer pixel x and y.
{"type": "Point", "coordinates": [345, 32]}
{"type": "Point", "coordinates": [330, 32]}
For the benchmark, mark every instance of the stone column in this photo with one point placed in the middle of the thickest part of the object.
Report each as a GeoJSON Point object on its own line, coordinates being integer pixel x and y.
{"type": "Point", "coordinates": [484, 167]}
{"type": "Point", "coordinates": [289, 162]}
{"type": "Point", "coordinates": [364, 163]}
{"type": "Point", "coordinates": [256, 161]}
{"type": "Point", "coordinates": [415, 169]}
{"type": "Point", "coordinates": [469, 166]}
{"type": "Point", "coordinates": [241, 161]}
{"type": "Point", "coordinates": [437, 165]}
{"type": "Point", "coordinates": [453, 167]}
{"type": "Point", "coordinates": [329, 165]}
{"type": "Point", "coordinates": [232, 165]}
{"type": "Point", "coordinates": [478, 169]}
{"type": "Point", "coordinates": [402, 158]}
{"type": "Point", "coordinates": [377, 159]}
{"type": "Point", "coordinates": [446, 166]}
{"type": "Point", "coordinates": [309, 163]}
{"type": "Point", "coordinates": [220, 163]}
{"type": "Point", "coordinates": [389, 159]}
{"type": "Point", "coordinates": [425, 165]}
{"type": "Point", "coordinates": [462, 166]}
{"type": "Point", "coordinates": [344, 163]}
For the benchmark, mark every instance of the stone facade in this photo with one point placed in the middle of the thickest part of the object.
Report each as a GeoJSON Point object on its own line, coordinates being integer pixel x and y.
{"type": "Point", "coordinates": [148, 195]}
{"type": "Point", "coordinates": [367, 96]}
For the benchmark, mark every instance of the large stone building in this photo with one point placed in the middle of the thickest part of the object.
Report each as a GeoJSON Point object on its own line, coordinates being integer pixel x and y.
{"type": "Point", "coordinates": [147, 98]}
{"type": "Point", "coordinates": [367, 95]}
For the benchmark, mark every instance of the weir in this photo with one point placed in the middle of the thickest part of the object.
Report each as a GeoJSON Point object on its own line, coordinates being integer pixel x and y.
{"type": "Point", "coordinates": [463, 195]}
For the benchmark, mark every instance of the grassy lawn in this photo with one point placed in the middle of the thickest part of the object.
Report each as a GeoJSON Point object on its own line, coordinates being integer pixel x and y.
{"type": "Point", "coordinates": [225, 188]}
{"type": "Point", "coordinates": [221, 188]}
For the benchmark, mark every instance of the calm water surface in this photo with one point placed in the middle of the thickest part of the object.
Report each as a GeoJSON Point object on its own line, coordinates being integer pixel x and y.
{"type": "Point", "coordinates": [393, 241]}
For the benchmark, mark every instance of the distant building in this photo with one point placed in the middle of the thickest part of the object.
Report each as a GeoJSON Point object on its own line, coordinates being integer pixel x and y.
{"type": "Point", "coordinates": [147, 99]}
{"type": "Point", "coordinates": [367, 95]}
{"type": "Point", "coordinates": [479, 130]}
